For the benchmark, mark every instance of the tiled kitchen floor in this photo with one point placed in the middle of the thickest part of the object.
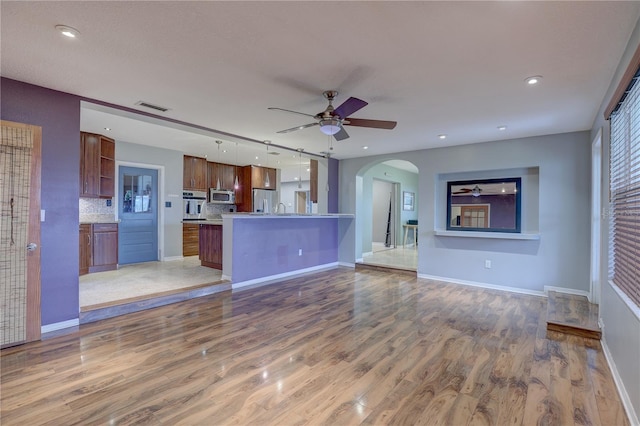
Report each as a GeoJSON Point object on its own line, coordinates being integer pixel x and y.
{"type": "Point", "coordinates": [404, 258]}
{"type": "Point", "coordinates": [144, 279]}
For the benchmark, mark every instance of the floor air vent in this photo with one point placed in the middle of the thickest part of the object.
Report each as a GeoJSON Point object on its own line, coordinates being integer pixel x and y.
{"type": "Point", "coordinates": [152, 106]}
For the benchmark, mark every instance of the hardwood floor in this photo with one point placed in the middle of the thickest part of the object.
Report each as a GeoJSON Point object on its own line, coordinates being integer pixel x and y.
{"type": "Point", "coordinates": [340, 347]}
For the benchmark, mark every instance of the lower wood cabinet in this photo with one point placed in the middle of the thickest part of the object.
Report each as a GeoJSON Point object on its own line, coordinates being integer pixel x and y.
{"type": "Point", "coordinates": [190, 239]}
{"type": "Point", "coordinates": [98, 247]}
{"type": "Point", "coordinates": [85, 248]}
{"type": "Point", "coordinates": [211, 246]}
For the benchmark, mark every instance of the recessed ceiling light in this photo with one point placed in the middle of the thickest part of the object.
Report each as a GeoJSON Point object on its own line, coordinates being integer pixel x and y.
{"type": "Point", "coordinates": [308, 170]}
{"type": "Point", "coordinates": [442, 136]}
{"type": "Point", "coordinates": [535, 79]}
{"type": "Point", "coordinates": [365, 147]}
{"type": "Point", "coordinates": [502, 128]}
{"type": "Point", "coordinates": [68, 31]}
{"type": "Point", "coordinates": [256, 157]}
{"type": "Point", "coordinates": [295, 178]}
{"type": "Point", "coordinates": [224, 150]}
{"type": "Point", "coordinates": [107, 128]}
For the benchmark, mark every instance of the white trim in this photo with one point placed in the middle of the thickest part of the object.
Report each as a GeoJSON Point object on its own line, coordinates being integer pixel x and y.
{"type": "Point", "coordinates": [548, 288]}
{"type": "Point", "coordinates": [624, 396]}
{"type": "Point", "coordinates": [360, 260]}
{"type": "Point", "coordinates": [172, 258]}
{"type": "Point", "coordinates": [59, 325]}
{"type": "Point", "coordinates": [347, 264]}
{"type": "Point", "coordinates": [484, 285]}
{"type": "Point", "coordinates": [369, 253]}
{"type": "Point", "coordinates": [495, 235]}
{"type": "Point", "coordinates": [596, 218]}
{"type": "Point", "coordinates": [272, 278]}
{"type": "Point", "coordinates": [225, 277]}
{"type": "Point", "coordinates": [635, 309]}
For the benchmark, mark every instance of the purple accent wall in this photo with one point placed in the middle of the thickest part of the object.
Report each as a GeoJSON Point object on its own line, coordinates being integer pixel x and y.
{"type": "Point", "coordinates": [333, 172]}
{"type": "Point", "coordinates": [58, 114]}
{"type": "Point", "coordinates": [269, 246]}
{"type": "Point", "coordinates": [502, 210]}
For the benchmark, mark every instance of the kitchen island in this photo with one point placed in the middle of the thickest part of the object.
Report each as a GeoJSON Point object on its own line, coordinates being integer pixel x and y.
{"type": "Point", "coordinates": [263, 247]}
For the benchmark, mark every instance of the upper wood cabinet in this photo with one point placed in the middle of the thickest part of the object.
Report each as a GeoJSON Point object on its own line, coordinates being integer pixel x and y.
{"type": "Point", "coordinates": [97, 166]}
{"type": "Point", "coordinates": [225, 172]}
{"type": "Point", "coordinates": [313, 180]}
{"type": "Point", "coordinates": [195, 173]}
{"type": "Point", "coordinates": [259, 177]}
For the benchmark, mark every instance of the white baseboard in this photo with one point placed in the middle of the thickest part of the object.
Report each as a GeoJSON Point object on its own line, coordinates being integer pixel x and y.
{"type": "Point", "coordinates": [369, 253]}
{"type": "Point", "coordinates": [484, 285]}
{"type": "Point", "coordinates": [548, 288]}
{"type": "Point", "coordinates": [278, 277]}
{"type": "Point", "coordinates": [172, 258]}
{"type": "Point", "coordinates": [59, 325]}
{"type": "Point", "coordinates": [347, 264]}
{"type": "Point", "coordinates": [626, 400]}
{"type": "Point", "coordinates": [225, 277]}
{"type": "Point", "coordinates": [359, 260]}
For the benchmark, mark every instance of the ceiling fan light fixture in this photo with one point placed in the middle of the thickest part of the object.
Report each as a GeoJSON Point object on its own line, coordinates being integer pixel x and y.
{"type": "Point", "coordinates": [476, 191]}
{"type": "Point", "coordinates": [330, 126]}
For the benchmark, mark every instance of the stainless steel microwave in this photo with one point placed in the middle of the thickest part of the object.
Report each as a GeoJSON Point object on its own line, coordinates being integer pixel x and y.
{"type": "Point", "coordinates": [220, 196]}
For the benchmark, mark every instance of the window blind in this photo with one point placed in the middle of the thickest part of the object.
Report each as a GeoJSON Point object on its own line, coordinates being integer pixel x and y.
{"type": "Point", "coordinates": [624, 248]}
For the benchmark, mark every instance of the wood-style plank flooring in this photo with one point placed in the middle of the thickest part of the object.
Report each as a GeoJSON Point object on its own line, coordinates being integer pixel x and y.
{"type": "Point", "coordinates": [340, 347]}
{"type": "Point", "coordinates": [572, 314]}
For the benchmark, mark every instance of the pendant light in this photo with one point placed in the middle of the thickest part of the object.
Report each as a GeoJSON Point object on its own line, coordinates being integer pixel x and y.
{"type": "Point", "coordinates": [218, 167]}
{"type": "Point", "coordinates": [236, 185]}
{"type": "Point", "coordinates": [267, 182]}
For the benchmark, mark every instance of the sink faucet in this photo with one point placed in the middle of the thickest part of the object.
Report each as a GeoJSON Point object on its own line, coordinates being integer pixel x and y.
{"type": "Point", "coordinates": [284, 208]}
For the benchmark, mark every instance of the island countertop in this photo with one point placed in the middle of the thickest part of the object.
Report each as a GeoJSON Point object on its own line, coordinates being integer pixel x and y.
{"type": "Point", "coordinates": [285, 216]}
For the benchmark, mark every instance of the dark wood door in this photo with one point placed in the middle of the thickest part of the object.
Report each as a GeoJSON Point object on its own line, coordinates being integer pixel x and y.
{"type": "Point", "coordinates": [89, 164]}
{"type": "Point", "coordinates": [85, 248]}
{"type": "Point", "coordinates": [105, 247]}
{"type": "Point", "coordinates": [211, 246]}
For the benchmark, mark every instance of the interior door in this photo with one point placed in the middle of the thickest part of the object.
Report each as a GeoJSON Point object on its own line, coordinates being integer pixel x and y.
{"type": "Point", "coordinates": [138, 214]}
{"type": "Point", "coordinates": [20, 160]}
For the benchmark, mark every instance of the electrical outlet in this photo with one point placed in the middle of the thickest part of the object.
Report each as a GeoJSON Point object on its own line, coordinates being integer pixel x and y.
{"type": "Point", "coordinates": [299, 252]}
{"type": "Point", "coordinates": [108, 203]}
{"type": "Point", "coordinates": [487, 264]}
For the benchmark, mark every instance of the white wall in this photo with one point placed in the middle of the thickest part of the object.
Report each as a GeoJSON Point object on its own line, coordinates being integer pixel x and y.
{"type": "Point", "coordinates": [173, 163]}
{"type": "Point", "coordinates": [408, 182]}
{"type": "Point", "coordinates": [560, 258]}
{"type": "Point", "coordinates": [288, 193]}
{"type": "Point", "coordinates": [621, 320]}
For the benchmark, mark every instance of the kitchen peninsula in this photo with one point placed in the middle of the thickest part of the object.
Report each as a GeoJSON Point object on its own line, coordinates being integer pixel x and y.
{"type": "Point", "coordinates": [260, 247]}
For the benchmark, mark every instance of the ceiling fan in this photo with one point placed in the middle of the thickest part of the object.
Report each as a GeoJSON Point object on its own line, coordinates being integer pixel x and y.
{"type": "Point", "coordinates": [475, 191]}
{"type": "Point", "coordinates": [332, 119]}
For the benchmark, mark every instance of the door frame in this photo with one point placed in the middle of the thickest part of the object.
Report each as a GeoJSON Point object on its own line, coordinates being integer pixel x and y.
{"type": "Point", "coordinates": [161, 198]}
{"type": "Point", "coordinates": [596, 217]}
{"type": "Point", "coordinates": [33, 320]}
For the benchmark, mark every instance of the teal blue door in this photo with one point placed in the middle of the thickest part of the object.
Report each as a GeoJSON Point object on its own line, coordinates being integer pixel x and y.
{"type": "Point", "coordinates": [138, 213]}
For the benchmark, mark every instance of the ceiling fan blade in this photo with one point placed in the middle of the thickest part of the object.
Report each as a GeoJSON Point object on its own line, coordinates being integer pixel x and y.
{"type": "Point", "coordinates": [341, 135]}
{"type": "Point", "coordinates": [349, 106]}
{"type": "Point", "coordinates": [288, 110]}
{"type": "Point", "coordinates": [293, 129]}
{"type": "Point", "coordinates": [376, 124]}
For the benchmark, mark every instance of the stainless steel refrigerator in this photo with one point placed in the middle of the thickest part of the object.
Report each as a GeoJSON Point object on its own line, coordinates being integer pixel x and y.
{"type": "Point", "coordinates": [265, 200]}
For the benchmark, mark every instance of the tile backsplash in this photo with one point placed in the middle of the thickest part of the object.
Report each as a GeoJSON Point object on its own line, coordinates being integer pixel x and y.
{"type": "Point", "coordinates": [95, 210]}
{"type": "Point", "coordinates": [213, 210]}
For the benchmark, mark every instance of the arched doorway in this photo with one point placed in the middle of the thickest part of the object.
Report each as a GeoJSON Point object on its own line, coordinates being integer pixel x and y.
{"type": "Point", "coordinates": [386, 212]}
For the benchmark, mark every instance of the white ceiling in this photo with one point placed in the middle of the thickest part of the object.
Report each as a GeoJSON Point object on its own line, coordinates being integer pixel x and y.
{"type": "Point", "coordinates": [456, 68]}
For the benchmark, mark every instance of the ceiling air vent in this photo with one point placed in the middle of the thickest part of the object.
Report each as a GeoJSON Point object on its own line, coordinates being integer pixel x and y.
{"type": "Point", "coordinates": [152, 106]}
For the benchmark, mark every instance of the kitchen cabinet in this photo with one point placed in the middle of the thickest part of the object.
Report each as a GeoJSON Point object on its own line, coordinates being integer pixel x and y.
{"type": "Point", "coordinates": [253, 177]}
{"type": "Point", "coordinates": [190, 239]}
{"type": "Point", "coordinates": [259, 177]}
{"type": "Point", "coordinates": [211, 246]}
{"type": "Point", "coordinates": [194, 173]}
{"type": "Point", "coordinates": [225, 172]}
{"type": "Point", "coordinates": [313, 180]}
{"type": "Point", "coordinates": [97, 166]}
{"type": "Point", "coordinates": [98, 247]}
{"type": "Point", "coordinates": [85, 248]}
{"type": "Point", "coordinates": [105, 247]}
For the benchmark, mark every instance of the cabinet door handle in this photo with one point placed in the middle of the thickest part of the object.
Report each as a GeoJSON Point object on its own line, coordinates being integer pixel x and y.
{"type": "Point", "coordinates": [89, 239]}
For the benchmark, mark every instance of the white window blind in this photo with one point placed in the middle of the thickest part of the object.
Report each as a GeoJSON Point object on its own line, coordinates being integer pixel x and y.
{"type": "Point", "coordinates": [624, 248]}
